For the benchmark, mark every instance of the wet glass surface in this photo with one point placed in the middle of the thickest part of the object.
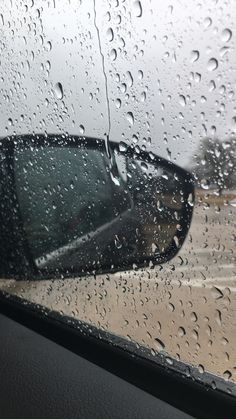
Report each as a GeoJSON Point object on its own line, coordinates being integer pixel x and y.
{"type": "Point", "coordinates": [160, 77]}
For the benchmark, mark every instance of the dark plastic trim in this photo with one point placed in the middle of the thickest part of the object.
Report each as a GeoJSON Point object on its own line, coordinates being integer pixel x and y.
{"type": "Point", "coordinates": [116, 356]}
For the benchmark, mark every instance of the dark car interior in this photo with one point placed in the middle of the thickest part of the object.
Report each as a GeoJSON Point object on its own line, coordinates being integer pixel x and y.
{"type": "Point", "coordinates": [50, 369]}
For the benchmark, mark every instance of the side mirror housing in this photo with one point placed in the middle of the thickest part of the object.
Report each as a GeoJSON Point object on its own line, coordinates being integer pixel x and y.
{"type": "Point", "coordinates": [67, 208]}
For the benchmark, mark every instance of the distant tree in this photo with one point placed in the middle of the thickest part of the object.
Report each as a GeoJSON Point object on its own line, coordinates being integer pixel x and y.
{"type": "Point", "coordinates": [215, 163]}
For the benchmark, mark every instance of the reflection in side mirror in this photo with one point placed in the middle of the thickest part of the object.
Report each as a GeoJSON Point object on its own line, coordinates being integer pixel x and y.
{"type": "Point", "coordinates": [64, 212]}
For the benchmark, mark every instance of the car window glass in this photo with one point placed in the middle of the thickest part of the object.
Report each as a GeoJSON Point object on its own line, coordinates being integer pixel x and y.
{"type": "Point", "coordinates": [158, 77]}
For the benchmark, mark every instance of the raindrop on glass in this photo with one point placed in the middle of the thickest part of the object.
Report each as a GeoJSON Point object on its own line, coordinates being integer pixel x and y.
{"type": "Point", "coordinates": [204, 184]}
{"type": "Point", "coordinates": [129, 79]}
{"type": "Point", "coordinates": [201, 369]}
{"type": "Point", "coordinates": [181, 331]}
{"type": "Point", "coordinates": [58, 89]}
{"type": "Point", "coordinates": [227, 375]}
{"type": "Point", "coordinates": [207, 22]}
{"type": "Point", "coordinates": [130, 118]}
{"type": "Point", "coordinates": [160, 346]}
{"type": "Point", "coordinates": [122, 146]}
{"type": "Point", "coordinates": [216, 293]}
{"type": "Point", "coordinates": [212, 64]}
{"type": "Point", "coordinates": [212, 86]}
{"type": "Point", "coordinates": [226, 35]}
{"type": "Point", "coordinates": [182, 100]}
{"type": "Point", "coordinates": [81, 129]}
{"type": "Point", "coordinates": [110, 34]}
{"type": "Point", "coordinates": [218, 317]}
{"type": "Point", "coordinates": [118, 244]}
{"type": "Point", "coordinates": [194, 56]}
{"type": "Point", "coordinates": [113, 54]}
{"type": "Point", "coordinates": [234, 123]}
{"type": "Point", "coordinates": [118, 103]}
{"type": "Point", "coordinates": [193, 316]}
{"type": "Point", "coordinates": [49, 45]}
{"type": "Point", "coordinates": [140, 74]}
{"type": "Point", "coordinates": [137, 8]}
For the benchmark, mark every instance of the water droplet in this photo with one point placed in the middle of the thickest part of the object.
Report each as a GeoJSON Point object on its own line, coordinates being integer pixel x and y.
{"type": "Point", "coordinates": [115, 179]}
{"type": "Point", "coordinates": [207, 22]}
{"type": "Point", "coordinates": [224, 341]}
{"type": "Point", "coordinates": [193, 316]}
{"type": "Point", "coordinates": [171, 307]}
{"type": "Point", "coordinates": [182, 100]}
{"type": "Point", "coordinates": [224, 50]}
{"type": "Point", "coordinates": [137, 8]}
{"type": "Point", "coordinates": [195, 334]}
{"type": "Point", "coordinates": [130, 118]}
{"type": "Point", "coordinates": [213, 385]}
{"type": "Point", "coordinates": [195, 55]}
{"type": "Point", "coordinates": [212, 86]}
{"type": "Point", "coordinates": [37, 13]}
{"type": "Point", "coordinates": [233, 203]}
{"type": "Point", "coordinates": [118, 19]}
{"type": "Point", "coordinates": [58, 89]}
{"type": "Point", "coordinates": [118, 103]}
{"type": "Point", "coordinates": [190, 200]}
{"type": "Point", "coordinates": [121, 42]}
{"type": "Point", "coordinates": [181, 331]}
{"type": "Point", "coordinates": [118, 243]}
{"type": "Point", "coordinates": [217, 293]}
{"type": "Point", "coordinates": [204, 184]}
{"type": "Point", "coordinates": [123, 88]}
{"type": "Point", "coordinates": [227, 375]}
{"type": "Point", "coordinates": [49, 45]}
{"type": "Point", "coordinates": [135, 138]}
{"type": "Point", "coordinates": [212, 64]}
{"type": "Point", "coordinates": [48, 65]}
{"type": "Point", "coordinates": [176, 240]}
{"type": "Point", "coordinates": [160, 346]}
{"type": "Point", "coordinates": [129, 79]}
{"type": "Point", "coordinates": [81, 129]}
{"type": "Point", "coordinates": [218, 317]}
{"type": "Point", "coordinates": [122, 146]}
{"type": "Point", "coordinates": [201, 368]}
{"type": "Point", "coordinates": [234, 123]}
{"type": "Point", "coordinates": [169, 361]}
{"type": "Point", "coordinates": [140, 74]}
{"type": "Point", "coordinates": [143, 96]}
{"type": "Point", "coordinates": [108, 16]}
{"type": "Point", "coordinates": [197, 77]}
{"type": "Point", "coordinates": [113, 54]}
{"type": "Point", "coordinates": [144, 166]}
{"type": "Point", "coordinates": [226, 35]}
{"type": "Point", "coordinates": [110, 34]}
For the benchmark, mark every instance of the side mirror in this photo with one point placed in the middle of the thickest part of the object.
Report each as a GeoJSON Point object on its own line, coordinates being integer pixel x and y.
{"type": "Point", "coordinates": [67, 209]}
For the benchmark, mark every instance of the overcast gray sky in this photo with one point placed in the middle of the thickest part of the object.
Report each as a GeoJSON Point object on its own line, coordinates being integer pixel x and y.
{"type": "Point", "coordinates": [170, 68]}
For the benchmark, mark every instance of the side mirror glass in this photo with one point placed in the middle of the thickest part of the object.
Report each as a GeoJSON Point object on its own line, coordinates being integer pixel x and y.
{"type": "Point", "coordinates": [77, 211]}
